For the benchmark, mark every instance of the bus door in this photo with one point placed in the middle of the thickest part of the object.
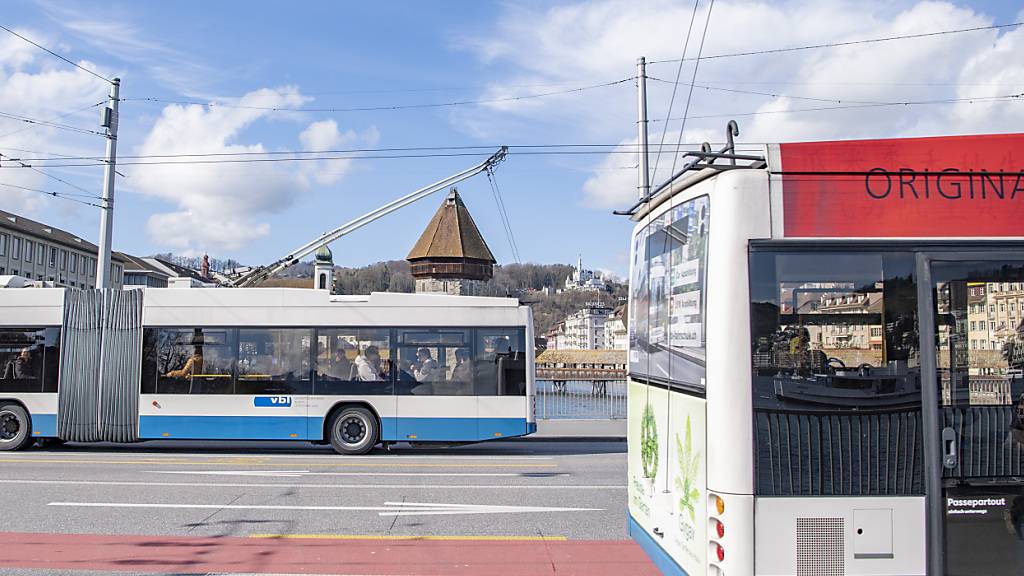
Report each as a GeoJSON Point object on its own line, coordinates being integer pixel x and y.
{"type": "Point", "coordinates": [972, 343]}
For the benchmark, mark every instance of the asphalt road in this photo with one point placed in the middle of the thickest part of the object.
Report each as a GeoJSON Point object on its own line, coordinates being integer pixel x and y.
{"type": "Point", "coordinates": [482, 503]}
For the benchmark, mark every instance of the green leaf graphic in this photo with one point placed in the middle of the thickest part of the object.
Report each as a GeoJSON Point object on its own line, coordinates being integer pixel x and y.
{"type": "Point", "coordinates": [649, 443]}
{"type": "Point", "coordinates": [689, 466]}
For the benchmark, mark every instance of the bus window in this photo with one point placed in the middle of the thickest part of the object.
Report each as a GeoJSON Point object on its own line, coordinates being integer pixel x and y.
{"type": "Point", "coordinates": [835, 364]}
{"type": "Point", "coordinates": [274, 361]}
{"type": "Point", "coordinates": [638, 301]}
{"type": "Point", "coordinates": [193, 360]}
{"type": "Point", "coordinates": [667, 336]}
{"type": "Point", "coordinates": [28, 360]}
{"type": "Point", "coordinates": [434, 362]}
{"type": "Point", "coordinates": [500, 365]}
{"type": "Point", "coordinates": [354, 361]}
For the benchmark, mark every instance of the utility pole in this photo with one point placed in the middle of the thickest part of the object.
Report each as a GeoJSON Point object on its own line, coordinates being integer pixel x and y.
{"type": "Point", "coordinates": [644, 183]}
{"type": "Point", "coordinates": [110, 120]}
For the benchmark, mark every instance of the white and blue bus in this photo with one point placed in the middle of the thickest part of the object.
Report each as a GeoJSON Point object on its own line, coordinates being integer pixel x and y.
{"type": "Point", "coordinates": [826, 363]}
{"type": "Point", "coordinates": [263, 364]}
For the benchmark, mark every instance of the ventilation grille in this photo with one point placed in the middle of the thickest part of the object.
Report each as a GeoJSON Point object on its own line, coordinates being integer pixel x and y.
{"type": "Point", "coordinates": [819, 547]}
{"type": "Point", "coordinates": [807, 454]}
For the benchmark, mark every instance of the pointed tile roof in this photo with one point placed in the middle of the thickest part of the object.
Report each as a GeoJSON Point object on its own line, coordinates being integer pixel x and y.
{"type": "Point", "coordinates": [451, 234]}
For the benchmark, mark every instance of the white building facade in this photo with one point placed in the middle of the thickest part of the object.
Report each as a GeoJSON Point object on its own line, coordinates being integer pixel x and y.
{"type": "Point", "coordinates": [615, 335]}
{"type": "Point", "coordinates": [585, 329]}
{"type": "Point", "coordinates": [40, 252]}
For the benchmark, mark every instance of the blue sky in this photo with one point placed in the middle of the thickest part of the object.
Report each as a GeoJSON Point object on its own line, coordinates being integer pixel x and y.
{"type": "Point", "coordinates": [365, 54]}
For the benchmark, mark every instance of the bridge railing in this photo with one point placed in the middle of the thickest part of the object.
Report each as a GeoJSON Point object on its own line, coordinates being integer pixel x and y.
{"type": "Point", "coordinates": [581, 399]}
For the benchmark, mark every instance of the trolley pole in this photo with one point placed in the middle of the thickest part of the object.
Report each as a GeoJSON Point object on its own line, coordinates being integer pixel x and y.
{"type": "Point", "coordinates": [644, 181]}
{"type": "Point", "coordinates": [110, 120]}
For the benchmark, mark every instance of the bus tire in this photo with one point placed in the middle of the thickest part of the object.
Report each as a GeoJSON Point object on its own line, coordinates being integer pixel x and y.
{"type": "Point", "coordinates": [15, 428]}
{"type": "Point", "coordinates": [354, 431]}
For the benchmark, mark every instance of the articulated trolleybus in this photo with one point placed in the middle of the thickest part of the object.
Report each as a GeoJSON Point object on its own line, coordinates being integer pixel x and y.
{"type": "Point", "coordinates": [827, 360]}
{"type": "Point", "coordinates": [262, 364]}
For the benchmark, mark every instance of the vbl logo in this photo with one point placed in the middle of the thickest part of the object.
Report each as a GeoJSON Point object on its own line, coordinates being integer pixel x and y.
{"type": "Point", "coordinates": [273, 401]}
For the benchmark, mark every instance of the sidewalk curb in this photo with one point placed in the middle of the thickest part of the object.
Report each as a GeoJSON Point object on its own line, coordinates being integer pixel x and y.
{"type": "Point", "coordinates": [568, 438]}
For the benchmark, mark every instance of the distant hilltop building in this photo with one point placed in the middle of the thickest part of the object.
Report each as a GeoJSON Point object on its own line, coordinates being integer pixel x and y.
{"type": "Point", "coordinates": [451, 256]}
{"type": "Point", "coordinates": [583, 279]}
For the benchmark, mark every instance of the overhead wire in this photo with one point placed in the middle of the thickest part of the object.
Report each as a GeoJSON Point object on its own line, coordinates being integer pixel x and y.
{"type": "Point", "coordinates": [51, 176]}
{"type": "Point", "coordinates": [349, 154]}
{"type": "Point", "coordinates": [60, 117]}
{"type": "Point", "coordinates": [693, 79]}
{"type": "Point", "coordinates": [968, 100]}
{"type": "Point", "coordinates": [380, 108]}
{"type": "Point", "coordinates": [51, 124]}
{"type": "Point", "coordinates": [56, 55]}
{"type": "Point", "coordinates": [759, 93]}
{"type": "Point", "coordinates": [60, 195]}
{"type": "Point", "coordinates": [675, 86]}
{"type": "Point", "coordinates": [503, 214]}
{"type": "Point", "coordinates": [851, 42]}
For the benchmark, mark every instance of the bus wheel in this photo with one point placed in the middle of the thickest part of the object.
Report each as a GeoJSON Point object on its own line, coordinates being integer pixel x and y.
{"type": "Point", "coordinates": [15, 427]}
{"type": "Point", "coordinates": [353, 431]}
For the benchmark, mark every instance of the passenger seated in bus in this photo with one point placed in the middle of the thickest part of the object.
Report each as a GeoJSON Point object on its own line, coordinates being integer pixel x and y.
{"type": "Point", "coordinates": [19, 368]}
{"type": "Point", "coordinates": [340, 366]}
{"type": "Point", "coordinates": [426, 370]}
{"type": "Point", "coordinates": [193, 366]}
{"type": "Point", "coordinates": [367, 365]}
{"type": "Point", "coordinates": [405, 374]}
{"type": "Point", "coordinates": [463, 370]}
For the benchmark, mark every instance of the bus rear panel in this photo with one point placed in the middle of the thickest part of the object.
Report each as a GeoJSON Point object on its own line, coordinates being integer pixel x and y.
{"type": "Point", "coordinates": [826, 370]}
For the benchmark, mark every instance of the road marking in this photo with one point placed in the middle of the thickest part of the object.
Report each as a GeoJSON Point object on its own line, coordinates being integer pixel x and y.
{"type": "Point", "coordinates": [160, 462]}
{"type": "Point", "coordinates": [302, 473]}
{"type": "Point", "coordinates": [407, 537]}
{"type": "Point", "coordinates": [330, 456]}
{"type": "Point", "coordinates": [388, 509]}
{"type": "Point", "coordinates": [302, 485]}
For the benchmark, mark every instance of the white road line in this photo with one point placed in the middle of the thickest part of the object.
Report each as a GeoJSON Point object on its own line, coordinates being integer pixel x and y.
{"type": "Point", "coordinates": [389, 508]}
{"type": "Point", "coordinates": [270, 456]}
{"type": "Point", "coordinates": [302, 485]}
{"type": "Point", "coordinates": [301, 473]}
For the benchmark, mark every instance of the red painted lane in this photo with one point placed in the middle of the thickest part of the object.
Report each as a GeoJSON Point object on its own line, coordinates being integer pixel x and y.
{"type": "Point", "coordinates": [307, 556]}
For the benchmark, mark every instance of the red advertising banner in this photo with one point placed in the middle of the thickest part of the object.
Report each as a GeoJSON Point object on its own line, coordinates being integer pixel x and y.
{"type": "Point", "coordinates": [955, 186]}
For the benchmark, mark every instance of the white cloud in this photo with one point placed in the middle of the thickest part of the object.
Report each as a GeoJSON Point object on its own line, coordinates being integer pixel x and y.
{"type": "Point", "coordinates": [613, 185]}
{"type": "Point", "coordinates": [587, 42]}
{"type": "Point", "coordinates": [223, 206]}
{"type": "Point", "coordinates": [34, 85]}
{"type": "Point", "coordinates": [324, 135]}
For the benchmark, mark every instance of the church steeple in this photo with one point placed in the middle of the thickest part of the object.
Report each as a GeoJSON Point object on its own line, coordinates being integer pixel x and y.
{"type": "Point", "coordinates": [323, 269]}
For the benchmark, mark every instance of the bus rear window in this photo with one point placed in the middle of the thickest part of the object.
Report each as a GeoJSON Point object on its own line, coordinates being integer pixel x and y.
{"type": "Point", "coordinates": [836, 373]}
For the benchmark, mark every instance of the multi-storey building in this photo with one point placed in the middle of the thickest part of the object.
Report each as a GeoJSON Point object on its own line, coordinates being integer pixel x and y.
{"type": "Point", "coordinates": [615, 335]}
{"type": "Point", "coordinates": [40, 252]}
{"type": "Point", "coordinates": [585, 329]}
{"type": "Point", "coordinates": [995, 313]}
